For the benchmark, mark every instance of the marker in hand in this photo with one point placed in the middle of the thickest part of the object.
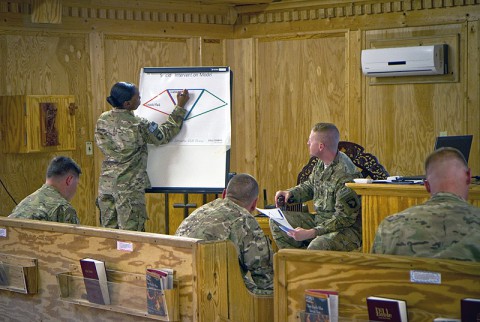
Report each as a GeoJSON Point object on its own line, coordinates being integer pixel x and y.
{"type": "Point", "coordinates": [281, 201]}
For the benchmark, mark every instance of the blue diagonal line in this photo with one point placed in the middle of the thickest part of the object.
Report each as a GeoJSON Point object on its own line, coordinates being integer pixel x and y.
{"type": "Point", "coordinates": [198, 99]}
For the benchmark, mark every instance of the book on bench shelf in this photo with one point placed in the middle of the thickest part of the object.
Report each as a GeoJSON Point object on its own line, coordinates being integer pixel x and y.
{"type": "Point", "coordinates": [95, 279]}
{"type": "Point", "coordinates": [470, 309]}
{"type": "Point", "coordinates": [321, 305]}
{"type": "Point", "coordinates": [158, 280]}
{"type": "Point", "coordinates": [386, 309]}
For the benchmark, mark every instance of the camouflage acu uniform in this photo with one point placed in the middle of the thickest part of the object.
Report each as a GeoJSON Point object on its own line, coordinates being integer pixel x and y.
{"type": "Point", "coordinates": [46, 204]}
{"type": "Point", "coordinates": [337, 220]}
{"type": "Point", "coordinates": [446, 226]}
{"type": "Point", "coordinates": [123, 139]}
{"type": "Point", "coordinates": [222, 219]}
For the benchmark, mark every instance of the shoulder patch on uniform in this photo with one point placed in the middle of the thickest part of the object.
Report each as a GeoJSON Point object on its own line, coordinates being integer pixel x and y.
{"type": "Point", "coordinates": [152, 127]}
{"type": "Point", "coordinates": [351, 202]}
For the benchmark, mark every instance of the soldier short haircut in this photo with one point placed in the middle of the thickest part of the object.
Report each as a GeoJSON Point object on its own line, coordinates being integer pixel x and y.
{"type": "Point", "coordinates": [60, 166]}
{"type": "Point", "coordinates": [242, 187]}
{"type": "Point", "coordinates": [329, 134]}
{"type": "Point", "coordinates": [120, 93]}
{"type": "Point", "coordinates": [444, 154]}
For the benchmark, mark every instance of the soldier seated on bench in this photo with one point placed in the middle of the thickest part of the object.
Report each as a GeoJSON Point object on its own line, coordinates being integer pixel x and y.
{"type": "Point", "coordinates": [230, 218]}
{"type": "Point", "coordinates": [51, 202]}
{"type": "Point", "coordinates": [445, 226]}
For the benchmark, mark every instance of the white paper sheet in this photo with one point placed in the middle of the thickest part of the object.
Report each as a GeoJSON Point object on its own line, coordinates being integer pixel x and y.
{"type": "Point", "coordinates": [277, 215]}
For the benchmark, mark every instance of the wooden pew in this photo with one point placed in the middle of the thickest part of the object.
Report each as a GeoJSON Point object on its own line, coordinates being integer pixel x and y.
{"type": "Point", "coordinates": [357, 275]}
{"type": "Point", "coordinates": [210, 284]}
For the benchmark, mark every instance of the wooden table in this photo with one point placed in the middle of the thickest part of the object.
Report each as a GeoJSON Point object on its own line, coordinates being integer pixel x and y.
{"type": "Point", "coordinates": [382, 200]}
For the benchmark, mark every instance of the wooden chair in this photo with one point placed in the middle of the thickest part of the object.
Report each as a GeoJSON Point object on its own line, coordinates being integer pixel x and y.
{"type": "Point", "coordinates": [367, 162]}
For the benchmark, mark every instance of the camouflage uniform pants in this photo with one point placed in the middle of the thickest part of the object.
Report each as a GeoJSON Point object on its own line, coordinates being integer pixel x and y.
{"type": "Point", "coordinates": [347, 239]}
{"type": "Point", "coordinates": [123, 210]}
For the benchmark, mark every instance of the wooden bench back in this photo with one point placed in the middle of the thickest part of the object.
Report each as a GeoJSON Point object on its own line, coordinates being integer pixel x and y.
{"type": "Point", "coordinates": [211, 287]}
{"type": "Point", "coordinates": [356, 275]}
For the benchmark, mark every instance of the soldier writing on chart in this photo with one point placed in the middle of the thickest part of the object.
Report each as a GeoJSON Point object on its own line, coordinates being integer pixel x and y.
{"type": "Point", "coordinates": [123, 139]}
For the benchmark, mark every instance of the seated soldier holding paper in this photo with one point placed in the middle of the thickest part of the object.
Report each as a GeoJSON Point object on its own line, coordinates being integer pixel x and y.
{"type": "Point", "coordinates": [336, 225]}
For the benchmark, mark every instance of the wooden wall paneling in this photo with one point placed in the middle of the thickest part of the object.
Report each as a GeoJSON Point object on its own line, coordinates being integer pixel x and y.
{"type": "Point", "coordinates": [244, 152]}
{"type": "Point", "coordinates": [212, 52]}
{"type": "Point", "coordinates": [45, 64]}
{"type": "Point", "coordinates": [300, 81]}
{"type": "Point", "coordinates": [194, 52]}
{"type": "Point", "coordinates": [98, 93]}
{"type": "Point", "coordinates": [139, 18]}
{"type": "Point", "coordinates": [473, 89]}
{"type": "Point", "coordinates": [126, 55]}
{"type": "Point", "coordinates": [353, 89]}
{"type": "Point", "coordinates": [73, 53]}
{"type": "Point", "coordinates": [17, 125]}
{"type": "Point", "coordinates": [3, 60]}
{"type": "Point", "coordinates": [402, 120]}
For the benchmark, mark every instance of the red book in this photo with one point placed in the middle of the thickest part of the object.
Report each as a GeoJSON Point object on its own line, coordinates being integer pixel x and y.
{"type": "Point", "coordinates": [386, 309]}
{"type": "Point", "coordinates": [95, 279]}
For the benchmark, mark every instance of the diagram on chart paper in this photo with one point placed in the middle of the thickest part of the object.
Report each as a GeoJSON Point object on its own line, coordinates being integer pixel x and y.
{"type": "Point", "coordinates": [198, 157]}
{"type": "Point", "coordinates": [205, 102]}
{"type": "Point", "coordinates": [207, 120]}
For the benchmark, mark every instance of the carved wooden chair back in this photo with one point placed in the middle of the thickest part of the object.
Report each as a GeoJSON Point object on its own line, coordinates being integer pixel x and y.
{"type": "Point", "coordinates": [366, 162]}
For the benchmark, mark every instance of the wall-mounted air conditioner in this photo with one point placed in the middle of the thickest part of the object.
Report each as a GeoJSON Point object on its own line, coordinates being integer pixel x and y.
{"type": "Point", "coordinates": [405, 61]}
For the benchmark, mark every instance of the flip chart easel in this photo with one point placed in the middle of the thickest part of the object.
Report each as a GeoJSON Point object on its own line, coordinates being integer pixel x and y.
{"type": "Point", "coordinates": [197, 160]}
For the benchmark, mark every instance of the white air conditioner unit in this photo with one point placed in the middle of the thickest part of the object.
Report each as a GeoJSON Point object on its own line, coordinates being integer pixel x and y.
{"type": "Point", "coordinates": [405, 61]}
